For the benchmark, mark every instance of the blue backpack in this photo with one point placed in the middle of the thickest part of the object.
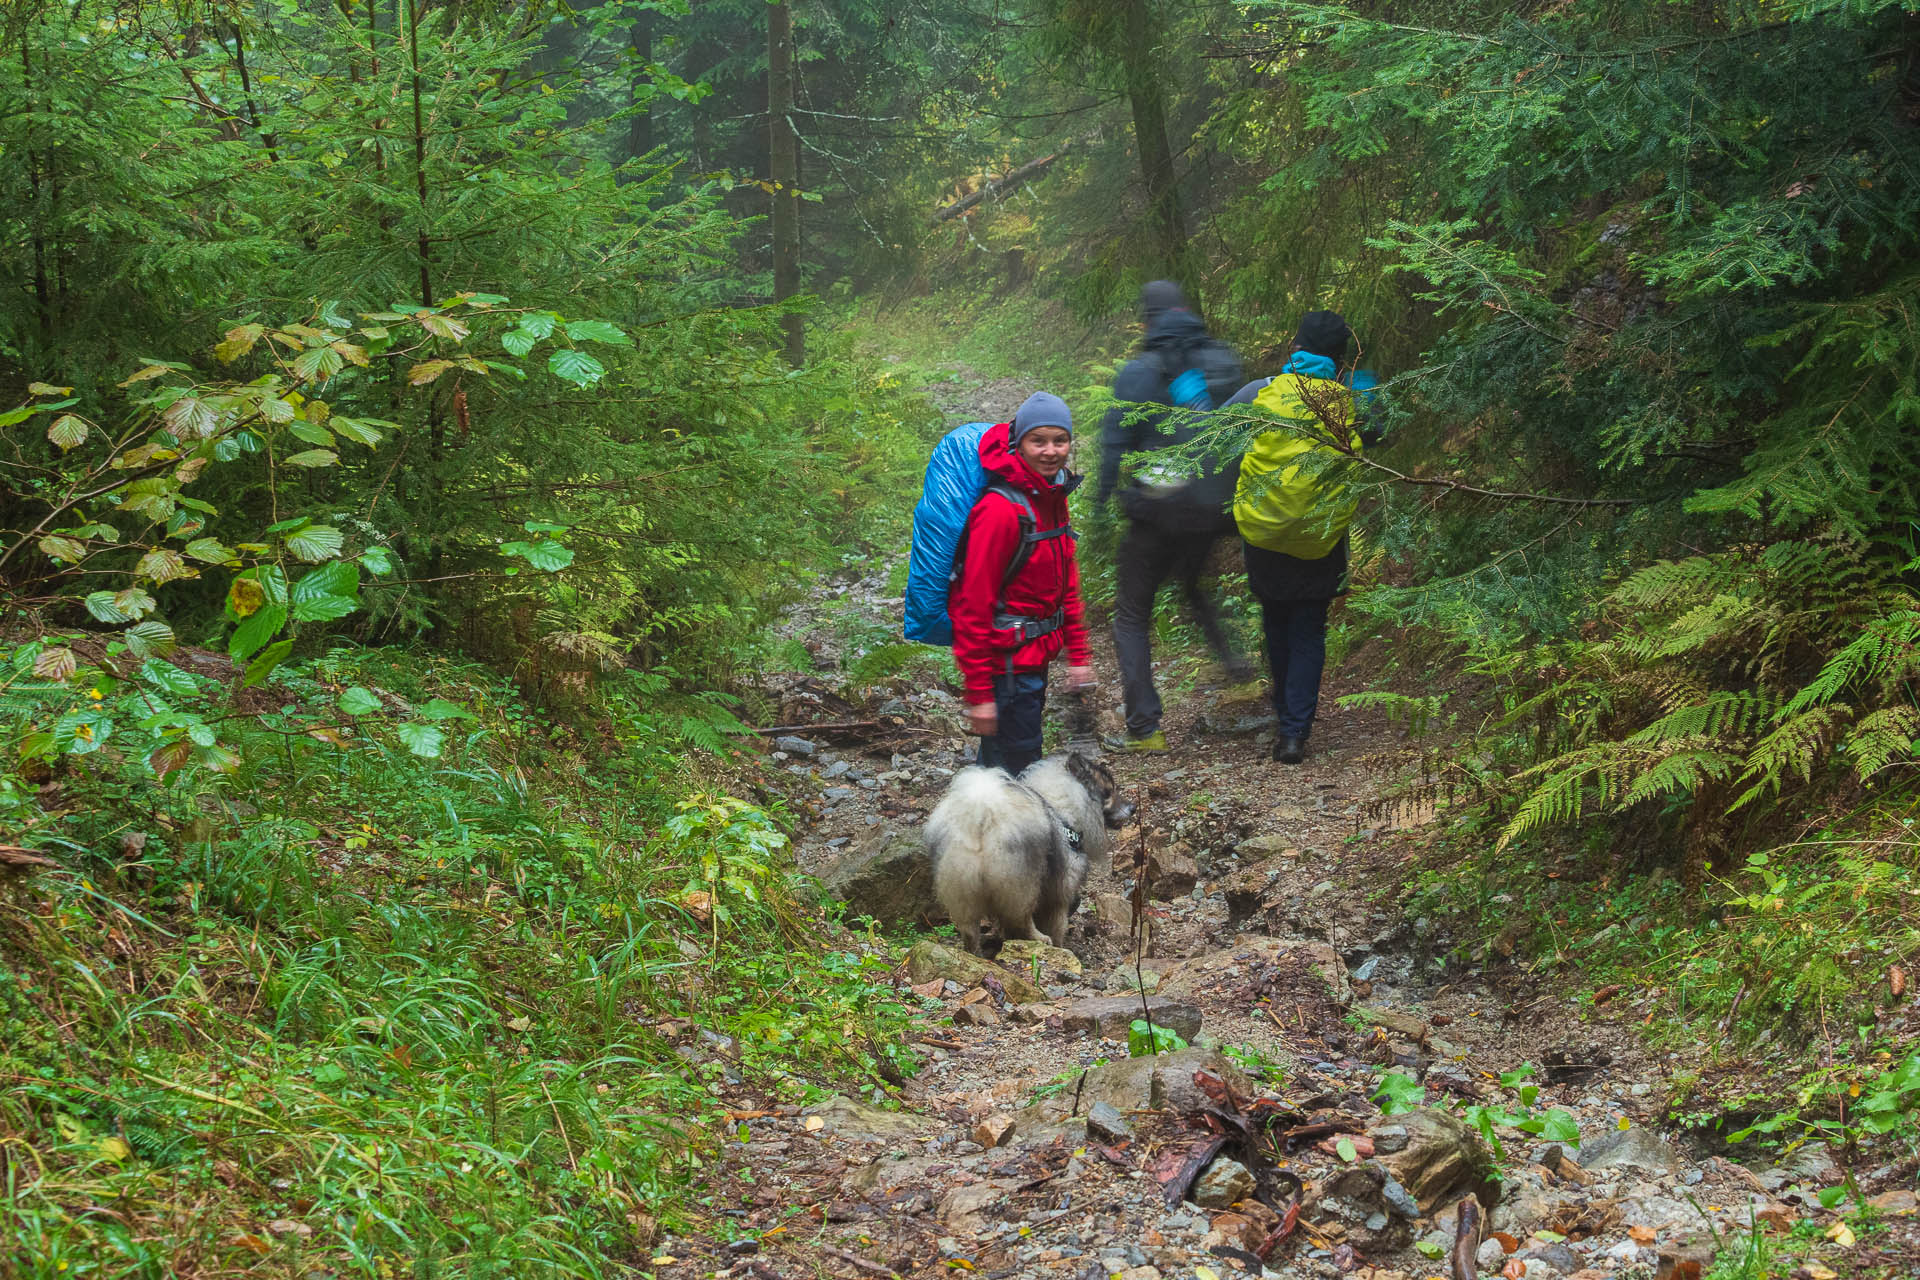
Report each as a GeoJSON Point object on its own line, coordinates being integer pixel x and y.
{"type": "Point", "coordinates": [955, 480]}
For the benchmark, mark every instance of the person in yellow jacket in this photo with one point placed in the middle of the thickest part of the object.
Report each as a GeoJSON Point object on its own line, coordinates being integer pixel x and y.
{"type": "Point", "coordinates": [1293, 514]}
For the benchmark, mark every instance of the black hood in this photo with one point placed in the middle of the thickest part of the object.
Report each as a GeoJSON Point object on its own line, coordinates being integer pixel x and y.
{"type": "Point", "coordinates": [1174, 330]}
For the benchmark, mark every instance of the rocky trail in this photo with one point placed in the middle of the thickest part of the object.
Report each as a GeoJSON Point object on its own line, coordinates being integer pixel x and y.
{"type": "Point", "coordinates": [1031, 1143]}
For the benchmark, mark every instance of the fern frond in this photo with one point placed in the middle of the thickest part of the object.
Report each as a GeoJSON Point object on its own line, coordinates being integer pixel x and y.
{"type": "Point", "coordinates": [1736, 713]}
{"type": "Point", "coordinates": [1882, 738]}
{"type": "Point", "coordinates": [1885, 653]}
{"type": "Point", "coordinates": [1588, 778]}
{"type": "Point", "coordinates": [1795, 747]}
{"type": "Point", "coordinates": [1684, 772]}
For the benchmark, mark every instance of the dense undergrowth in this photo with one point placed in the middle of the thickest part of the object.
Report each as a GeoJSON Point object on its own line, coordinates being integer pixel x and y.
{"type": "Point", "coordinates": [354, 1009]}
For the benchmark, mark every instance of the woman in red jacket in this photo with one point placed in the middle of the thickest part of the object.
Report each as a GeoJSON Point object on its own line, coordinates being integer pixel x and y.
{"type": "Point", "coordinates": [1016, 604]}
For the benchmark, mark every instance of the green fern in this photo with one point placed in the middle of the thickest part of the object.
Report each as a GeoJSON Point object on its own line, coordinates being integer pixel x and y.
{"type": "Point", "coordinates": [1794, 747]}
{"type": "Point", "coordinates": [1883, 738]}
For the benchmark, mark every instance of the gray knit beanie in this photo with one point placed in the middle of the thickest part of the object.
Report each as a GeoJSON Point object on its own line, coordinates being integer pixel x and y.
{"type": "Point", "coordinates": [1042, 409]}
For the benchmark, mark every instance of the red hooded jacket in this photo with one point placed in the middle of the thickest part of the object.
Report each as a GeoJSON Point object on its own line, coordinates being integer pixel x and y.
{"type": "Point", "coordinates": [1049, 581]}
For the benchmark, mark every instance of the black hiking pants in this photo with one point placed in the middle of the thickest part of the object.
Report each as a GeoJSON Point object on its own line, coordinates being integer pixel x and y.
{"type": "Point", "coordinates": [1149, 554]}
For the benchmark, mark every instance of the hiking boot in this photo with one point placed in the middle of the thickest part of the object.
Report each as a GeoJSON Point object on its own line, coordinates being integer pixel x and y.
{"type": "Point", "coordinates": [1148, 743]}
{"type": "Point", "coordinates": [1289, 750]}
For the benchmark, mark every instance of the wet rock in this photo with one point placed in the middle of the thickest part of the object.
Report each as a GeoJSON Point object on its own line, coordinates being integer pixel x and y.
{"type": "Point", "coordinates": [965, 1210]}
{"type": "Point", "coordinates": [1634, 1148]}
{"type": "Point", "coordinates": [929, 960]}
{"type": "Point", "coordinates": [976, 1015]}
{"type": "Point", "coordinates": [1105, 1123]}
{"type": "Point", "coordinates": [1660, 1214]}
{"type": "Point", "coordinates": [1398, 1022]}
{"type": "Point", "coordinates": [1110, 1017]}
{"type": "Point", "coordinates": [994, 1131]}
{"type": "Point", "coordinates": [1560, 1259]}
{"type": "Point", "coordinates": [1388, 1139]}
{"type": "Point", "coordinates": [1223, 1184]}
{"type": "Point", "coordinates": [1262, 847]}
{"type": "Point", "coordinates": [1444, 1158]}
{"type": "Point", "coordinates": [849, 1119]}
{"type": "Point", "coordinates": [1245, 892]}
{"type": "Point", "coordinates": [1356, 1196]}
{"type": "Point", "coordinates": [886, 876]}
{"type": "Point", "coordinates": [794, 746]}
{"type": "Point", "coordinates": [1171, 873]}
{"type": "Point", "coordinates": [1020, 953]}
{"type": "Point", "coordinates": [1161, 1082]}
{"type": "Point", "coordinates": [1812, 1165]}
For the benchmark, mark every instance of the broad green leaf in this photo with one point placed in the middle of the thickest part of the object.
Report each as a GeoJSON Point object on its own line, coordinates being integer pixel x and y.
{"type": "Point", "coordinates": [318, 363]}
{"type": "Point", "coordinates": [441, 709]}
{"type": "Point", "coordinates": [162, 565]}
{"type": "Point", "coordinates": [217, 758]}
{"type": "Point", "coordinates": [421, 739]}
{"type": "Point", "coordinates": [539, 323]}
{"type": "Point", "coordinates": [191, 418]}
{"type": "Point", "coordinates": [278, 410]}
{"type": "Point", "coordinates": [598, 331]}
{"type": "Point", "coordinates": [151, 639]}
{"type": "Point", "coordinates": [518, 341]}
{"type": "Point", "coordinates": [64, 550]}
{"type": "Point", "coordinates": [377, 560]}
{"type": "Point", "coordinates": [229, 447]}
{"type": "Point", "coordinates": [443, 327]}
{"type": "Point", "coordinates": [256, 631]}
{"type": "Point", "coordinates": [357, 431]}
{"type": "Point", "coordinates": [541, 526]}
{"type": "Point", "coordinates": [67, 431]}
{"type": "Point", "coordinates": [314, 458]}
{"type": "Point", "coordinates": [1561, 1126]}
{"type": "Point", "coordinates": [544, 554]}
{"type": "Point", "coordinates": [1346, 1150]}
{"type": "Point", "coordinates": [210, 551]}
{"type": "Point", "coordinates": [357, 701]}
{"type": "Point", "coordinates": [100, 604]}
{"type": "Point", "coordinates": [324, 608]}
{"type": "Point", "coordinates": [263, 666]}
{"type": "Point", "coordinates": [238, 342]}
{"type": "Point", "coordinates": [316, 542]}
{"type": "Point", "coordinates": [79, 733]}
{"type": "Point", "coordinates": [576, 367]}
{"type": "Point", "coordinates": [168, 678]}
{"type": "Point", "coordinates": [310, 433]}
{"type": "Point", "coordinates": [14, 417]}
{"type": "Point", "coordinates": [338, 578]}
{"type": "Point", "coordinates": [134, 602]}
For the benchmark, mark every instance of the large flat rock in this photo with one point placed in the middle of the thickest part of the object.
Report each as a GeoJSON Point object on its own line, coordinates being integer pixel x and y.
{"type": "Point", "coordinates": [929, 960]}
{"type": "Point", "coordinates": [1110, 1017]}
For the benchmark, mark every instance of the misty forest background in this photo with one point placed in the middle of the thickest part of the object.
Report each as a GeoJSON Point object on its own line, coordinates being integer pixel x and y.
{"type": "Point", "coordinates": [416, 412]}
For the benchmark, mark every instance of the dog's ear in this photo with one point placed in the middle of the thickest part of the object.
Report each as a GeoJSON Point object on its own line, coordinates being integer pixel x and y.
{"type": "Point", "coordinates": [1082, 770]}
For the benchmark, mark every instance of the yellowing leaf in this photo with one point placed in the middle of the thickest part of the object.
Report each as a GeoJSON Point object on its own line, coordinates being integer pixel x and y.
{"type": "Point", "coordinates": [147, 374]}
{"type": "Point", "coordinates": [1841, 1234]}
{"type": "Point", "coordinates": [1204, 1273]}
{"type": "Point", "coordinates": [67, 431]}
{"type": "Point", "coordinates": [114, 1148]}
{"type": "Point", "coordinates": [65, 550]}
{"type": "Point", "coordinates": [1819, 1271]}
{"type": "Point", "coordinates": [814, 1124]}
{"type": "Point", "coordinates": [1624, 1124]}
{"type": "Point", "coordinates": [245, 597]}
{"type": "Point", "coordinates": [164, 564]}
{"type": "Point", "coordinates": [47, 391]}
{"type": "Point", "coordinates": [426, 371]}
{"type": "Point", "coordinates": [238, 342]}
{"type": "Point", "coordinates": [55, 664]}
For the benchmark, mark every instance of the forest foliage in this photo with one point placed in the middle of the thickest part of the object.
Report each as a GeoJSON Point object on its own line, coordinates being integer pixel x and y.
{"type": "Point", "coordinates": [402, 420]}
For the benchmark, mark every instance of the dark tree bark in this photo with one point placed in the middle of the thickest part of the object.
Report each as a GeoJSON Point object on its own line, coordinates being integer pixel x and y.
{"type": "Point", "coordinates": [640, 43]}
{"type": "Point", "coordinates": [784, 163]}
{"type": "Point", "coordinates": [1149, 103]}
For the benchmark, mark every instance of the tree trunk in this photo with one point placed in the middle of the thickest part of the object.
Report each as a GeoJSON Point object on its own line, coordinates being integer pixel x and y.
{"type": "Point", "coordinates": [784, 157]}
{"type": "Point", "coordinates": [1150, 138]}
{"type": "Point", "coordinates": [640, 124]}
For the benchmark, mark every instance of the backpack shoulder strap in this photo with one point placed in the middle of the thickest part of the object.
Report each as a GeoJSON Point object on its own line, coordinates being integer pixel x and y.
{"type": "Point", "coordinates": [1030, 533]}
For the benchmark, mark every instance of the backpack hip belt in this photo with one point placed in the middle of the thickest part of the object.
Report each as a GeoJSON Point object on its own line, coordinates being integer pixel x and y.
{"type": "Point", "coordinates": [1029, 628]}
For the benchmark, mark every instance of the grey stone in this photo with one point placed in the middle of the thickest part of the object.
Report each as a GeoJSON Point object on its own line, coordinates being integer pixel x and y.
{"type": "Point", "coordinates": [1160, 1082]}
{"type": "Point", "coordinates": [928, 960]}
{"type": "Point", "coordinates": [1561, 1259]}
{"type": "Point", "coordinates": [1223, 1184]}
{"type": "Point", "coordinates": [836, 793]}
{"type": "Point", "coordinates": [794, 746]}
{"type": "Point", "coordinates": [1110, 1017]}
{"type": "Point", "coordinates": [850, 1119]}
{"type": "Point", "coordinates": [1388, 1139]}
{"type": "Point", "coordinates": [1634, 1148]}
{"type": "Point", "coordinates": [836, 769]}
{"type": "Point", "coordinates": [1105, 1122]}
{"type": "Point", "coordinates": [1491, 1255]}
{"type": "Point", "coordinates": [886, 876]}
{"type": "Point", "coordinates": [1398, 1198]}
{"type": "Point", "coordinates": [1444, 1157]}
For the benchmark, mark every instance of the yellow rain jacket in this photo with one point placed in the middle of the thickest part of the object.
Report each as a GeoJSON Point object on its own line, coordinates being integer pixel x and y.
{"type": "Point", "coordinates": [1279, 504]}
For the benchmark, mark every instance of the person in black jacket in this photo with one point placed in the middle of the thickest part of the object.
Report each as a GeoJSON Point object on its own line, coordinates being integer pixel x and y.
{"type": "Point", "coordinates": [1171, 526]}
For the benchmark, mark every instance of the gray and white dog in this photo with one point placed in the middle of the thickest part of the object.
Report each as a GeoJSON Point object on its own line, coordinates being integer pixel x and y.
{"type": "Point", "coordinates": [1016, 850]}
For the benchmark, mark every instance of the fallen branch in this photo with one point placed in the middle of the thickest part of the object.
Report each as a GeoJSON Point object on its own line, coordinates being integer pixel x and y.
{"type": "Point", "coordinates": [855, 1260]}
{"type": "Point", "coordinates": [993, 189]}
